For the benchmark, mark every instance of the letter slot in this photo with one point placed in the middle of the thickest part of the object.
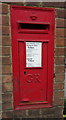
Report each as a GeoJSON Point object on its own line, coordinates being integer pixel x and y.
{"type": "Point", "coordinates": [33, 27]}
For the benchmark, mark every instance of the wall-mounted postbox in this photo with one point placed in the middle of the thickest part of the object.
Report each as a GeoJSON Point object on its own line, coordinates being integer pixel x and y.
{"type": "Point", "coordinates": [32, 56]}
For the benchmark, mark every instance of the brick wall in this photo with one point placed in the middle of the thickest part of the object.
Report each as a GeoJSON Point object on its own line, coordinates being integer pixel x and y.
{"type": "Point", "coordinates": [7, 81]}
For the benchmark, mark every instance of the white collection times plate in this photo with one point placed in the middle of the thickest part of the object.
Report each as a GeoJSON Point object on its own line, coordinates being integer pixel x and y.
{"type": "Point", "coordinates": [33, 54]}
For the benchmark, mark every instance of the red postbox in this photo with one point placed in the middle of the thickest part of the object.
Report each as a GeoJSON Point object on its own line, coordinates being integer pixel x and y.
{"type": "Point", "coordinates": [32, 56]}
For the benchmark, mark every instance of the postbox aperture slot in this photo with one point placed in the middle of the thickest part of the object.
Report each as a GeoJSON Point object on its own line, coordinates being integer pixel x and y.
{"type": "Point", "coordinates": [33, 27]}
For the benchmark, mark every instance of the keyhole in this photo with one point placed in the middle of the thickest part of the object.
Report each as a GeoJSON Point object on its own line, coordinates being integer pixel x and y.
{"type": "Point", "coordinates": [24, 72]}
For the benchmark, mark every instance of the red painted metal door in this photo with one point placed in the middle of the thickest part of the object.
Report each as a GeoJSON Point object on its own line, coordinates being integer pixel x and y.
{"type": "Point", "coordinates": [33, 80]}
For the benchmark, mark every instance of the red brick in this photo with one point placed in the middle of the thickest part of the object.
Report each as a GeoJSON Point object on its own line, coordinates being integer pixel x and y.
{"type": "Point", "coordinates": [64, 23]}
{"type": "Point", "coordinates": [5, 51]}
{"type": "Point", "coordinates": [53, 4]}
{"type": "Point", "coordinates": [1, 40]}
{"type": "Point", "coordinates": [7, 87]}
{"type": "Point", "coordinates": [60, 13]}
{"type": "Point", "coordinates": [64, 32]}
{"type": "Point", "coordinates": [59, 94]}
{"type": "Point", "coordinates": [6, 69]}
{"type": "Point", "coordinates": [58, 101]}
{"type": "Point", "coordinates": [5, 30]}
{"type": "Point", "coordinates": [59, 69]}
{"type": "Point", "coordinates": [0, 19]}
{"type": "Point", "coordinates": [32, 3]}
{"type": "Point", "coordinates": [0, 79]}
{"type": "Point", "coordinates": [0, 8]}
{"type": "Point", "coordinates": [59, 86]}
{"type": "Point", "coordinates": [60, 42]}
{"type": "Point", "coordinates": [59, 51]}
{"type": "Point", "coordinates": [65, 51]}
{"type": "Point", "coordinates": [19, 3]}
{"type": "Point", "coordinates": [7, 114]}
{"type": "Point", "coordinates": [6, 40]}
{"type": "Point", "coordinates": [0, 29]}
{"type": "Point", "coordinates": [53, 116]}
{"type": "Point", "coordinates": [5, 60]}
{"type": "Point", "coordinates": [5, 20]}
{"type": "Point", "coordinates": [59, 60]}
{"type": "Point", "coordinates": [7, 78]}
{"type": "Point", "coordinates": [0, 60]}
{"type": "Point", "coordinates": [59, 77]}
{"type": "Point", "coordinates": [7, 106]}
{"type": "Point", "coordinates": [20, 113]}
{"type": "Point", "coordinates": [61, 23]}
{"type": "Point", "coordinates": [4, 8]}
{"type": "Point", "coordinates": [65, 42]}
{"type": "Point", "coordinates": [51, 110]}
{"type": "Point", "coordinates": [0, 69]}
{"type": "Point", "coordinates": [1, 51]}
{"type": "Point", "coordinates": [60, 32]}
{"type": "Point", "coordinates": [34, 112]}
{"type": "Point", "coordinates": [7, 97]}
